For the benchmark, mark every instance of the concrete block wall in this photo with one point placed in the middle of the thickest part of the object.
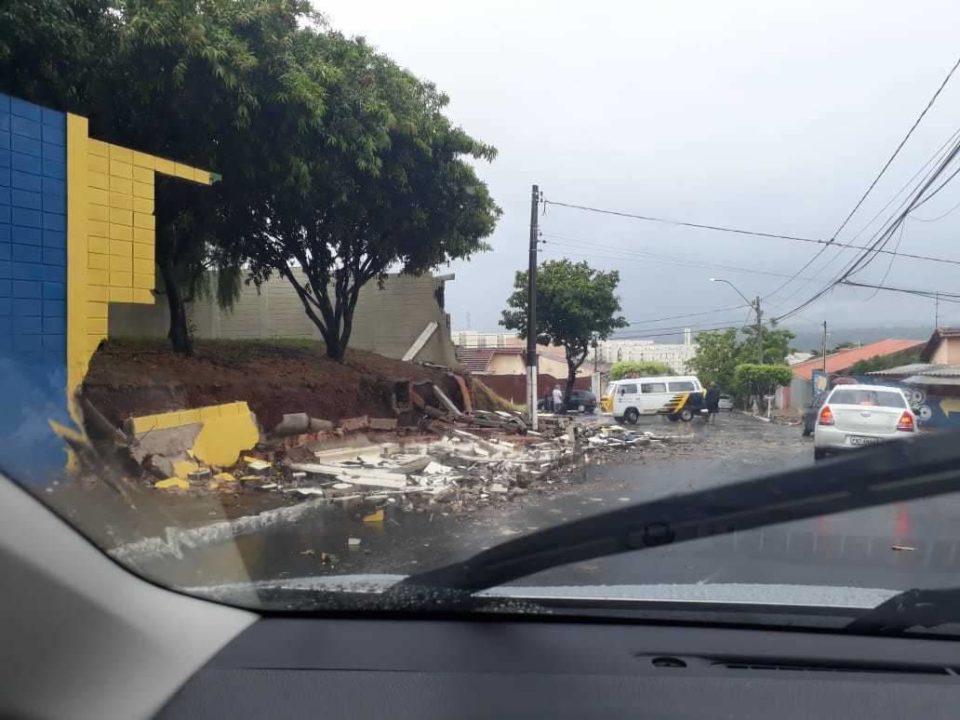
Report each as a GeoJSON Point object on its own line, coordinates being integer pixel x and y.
{"type": "Point", "coordinates": [76, 234]}
{"type": "Point", "coordinates": [387, 321]}
{"type": "Point", "coordinates": [33, 276]}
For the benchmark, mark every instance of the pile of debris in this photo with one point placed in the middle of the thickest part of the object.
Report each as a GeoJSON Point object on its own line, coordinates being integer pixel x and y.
{"type": "Point", "coordinates": [616, 437]}
{"type": "Point", "coordinates": [460, 470]}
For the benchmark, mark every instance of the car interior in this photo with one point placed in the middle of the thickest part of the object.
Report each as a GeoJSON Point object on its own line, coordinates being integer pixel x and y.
{"type": "Point", "coordinates": [85, 638]}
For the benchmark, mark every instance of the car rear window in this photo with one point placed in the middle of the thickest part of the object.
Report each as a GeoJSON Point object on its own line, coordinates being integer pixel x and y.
{"type": "Point", "coordinates": [876, 398]}
{"type": "Point", "coordinates": [682, 386]}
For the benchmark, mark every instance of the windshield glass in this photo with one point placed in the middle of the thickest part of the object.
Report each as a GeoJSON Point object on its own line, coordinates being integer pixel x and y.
{"type": "Point", "coordinates": [880, 398]}
{"type": "Point", "coordinates": [323, 295]}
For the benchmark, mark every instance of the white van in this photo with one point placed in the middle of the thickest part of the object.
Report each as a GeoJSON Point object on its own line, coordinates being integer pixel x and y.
{"type": "Point", "coordinates": [679, 397]}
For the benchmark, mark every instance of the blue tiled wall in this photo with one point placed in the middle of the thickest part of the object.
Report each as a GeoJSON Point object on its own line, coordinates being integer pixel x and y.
{"type": "Point", "coordinates": [33, 277]}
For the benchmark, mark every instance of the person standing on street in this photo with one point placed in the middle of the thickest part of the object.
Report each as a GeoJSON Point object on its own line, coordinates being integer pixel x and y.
{"type": "Point", "coordinates": [557, 399]}
{"type": "Point", "coordinates": [712, 401]}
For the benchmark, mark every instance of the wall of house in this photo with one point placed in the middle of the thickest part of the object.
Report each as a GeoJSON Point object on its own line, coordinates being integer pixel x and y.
{"type": "Point", "coordinates": [504, 364]}
{"type": "Point", "coordinates": [947, 352]}
{"type": "Point", "coordinates": [387, 321]}
{"type": "Point", "coordinates": [514, 387]}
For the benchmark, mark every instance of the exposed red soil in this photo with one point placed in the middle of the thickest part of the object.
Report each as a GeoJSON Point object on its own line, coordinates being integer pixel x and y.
{"type": "Point", "coordinates": [133, 378]}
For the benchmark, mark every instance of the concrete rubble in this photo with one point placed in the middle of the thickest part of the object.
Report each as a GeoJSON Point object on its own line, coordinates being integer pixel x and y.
{"type": "Point", "coordinates": [460, 469]}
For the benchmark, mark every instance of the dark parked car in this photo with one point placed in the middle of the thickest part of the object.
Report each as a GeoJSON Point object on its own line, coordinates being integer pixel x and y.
{"type": "Point", "coordinates": [580, 401]}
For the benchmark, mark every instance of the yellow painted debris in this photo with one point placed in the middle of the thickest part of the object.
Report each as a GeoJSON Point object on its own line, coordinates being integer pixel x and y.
{"type": "Point", "coordinates": [222, 439]}
{"type": "Point", "coordinates": [374, 517]}
{"type": "Point", "coordinates": [183, 468]}
{"type": "Point", "coordinates": [224, 477]}
{"type": "Point", "coordinates": [174, 483]}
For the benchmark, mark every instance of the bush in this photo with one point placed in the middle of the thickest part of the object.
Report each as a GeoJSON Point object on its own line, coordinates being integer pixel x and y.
{"type": "Point", "coordinates": [639, 368]}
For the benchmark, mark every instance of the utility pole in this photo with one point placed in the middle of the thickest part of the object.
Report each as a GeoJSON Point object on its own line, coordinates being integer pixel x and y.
{"type": "Point", "coordinates": [532, 311]}
{"type": "Point", "coordinates": [823, 348]}
{"type": "Point", "coordinates": [756, 306]}
{"type": "Point", "coordinates": [936, 313]}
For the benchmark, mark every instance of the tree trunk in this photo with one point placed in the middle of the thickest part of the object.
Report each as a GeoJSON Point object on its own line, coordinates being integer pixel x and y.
{"type": "Point", "coordinates": [335, 349]}
{"type": "Point", "coordinates": [179, 333]}
{"type": "Point", "coordinates": [571, 379]}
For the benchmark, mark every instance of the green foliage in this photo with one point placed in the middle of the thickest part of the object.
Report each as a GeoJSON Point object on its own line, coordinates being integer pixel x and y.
{"type": "Point", "coordinates": [719, 352]}
{"type": "Point", "coordinates": [377, 177]}
{"type": "Point", "coordinates": [576, 307]}
{"type": "Point", "coordinates": [639, 368]}
{"type": "Point", "coordinates": [884, 362]}
{"type": "Point", "coordinates": [776, 344]}
{"type": "Point", "coordinates": [717, 356]}
{"type": "Point", "coordinates": [759, 380]}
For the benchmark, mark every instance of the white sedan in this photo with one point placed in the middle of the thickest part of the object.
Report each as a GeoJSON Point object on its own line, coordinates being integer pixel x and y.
{"type": "Point", "coordinates": [855, 416]}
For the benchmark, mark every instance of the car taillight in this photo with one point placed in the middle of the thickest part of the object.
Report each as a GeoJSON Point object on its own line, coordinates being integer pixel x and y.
{"type": "Point", "coordinates": [826, 415]}
{"type": "Point", "coordinates": [906, 423]}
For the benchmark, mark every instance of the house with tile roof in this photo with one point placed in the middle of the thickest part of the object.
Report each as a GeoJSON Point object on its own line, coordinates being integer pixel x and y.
{"type": "Point", "coordinates": [800, 392]}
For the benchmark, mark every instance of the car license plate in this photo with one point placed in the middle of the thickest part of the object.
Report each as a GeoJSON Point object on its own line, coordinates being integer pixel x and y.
{"type": "Point", "coordinates": [863, 440]}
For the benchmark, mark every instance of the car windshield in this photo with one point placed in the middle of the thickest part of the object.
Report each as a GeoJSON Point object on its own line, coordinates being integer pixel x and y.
{"type": "Point", "coordinates": [880, 398]}
{"type": "Point", "coordinates": [319, 297]}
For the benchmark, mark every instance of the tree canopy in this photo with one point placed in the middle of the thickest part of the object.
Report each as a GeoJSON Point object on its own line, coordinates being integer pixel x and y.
{"type": "Point", "coordinates": [337, 165]}
{"type": "Point", "coordinates": [755, 380]}
{"type": "Point", "coordinates": [639, 368]}
{"type": "Point", "coordinates": [719, 352]}
{"type": "Point", "coordinates": [576, 307]}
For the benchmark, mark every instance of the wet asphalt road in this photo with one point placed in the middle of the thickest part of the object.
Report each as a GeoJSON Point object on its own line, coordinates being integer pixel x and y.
{"type": "Point", "coordinates": [848, 549]}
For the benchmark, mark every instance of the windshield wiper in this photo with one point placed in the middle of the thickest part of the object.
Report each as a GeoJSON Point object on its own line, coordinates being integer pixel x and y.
{"type": "Point", "coordinates": [892, 472]}
{"type": "Point", "coordinates": [911, 608]}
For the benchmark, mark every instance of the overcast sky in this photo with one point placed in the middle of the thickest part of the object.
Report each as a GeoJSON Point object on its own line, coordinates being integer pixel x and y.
{"type": "Point", "coordinates": [765, 115]}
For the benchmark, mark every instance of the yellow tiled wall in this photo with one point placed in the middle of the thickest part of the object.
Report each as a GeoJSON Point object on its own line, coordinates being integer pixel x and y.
{"type": "Point", "coordinates": [110, 235]}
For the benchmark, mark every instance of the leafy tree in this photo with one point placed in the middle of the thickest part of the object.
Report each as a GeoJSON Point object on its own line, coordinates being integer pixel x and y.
{"type": "Point", "coordinates": [379, 179]}
{"type": "Point", "coordinates": [716, 358]}
{"type": "Point", "coordinates": [182, 79]}
{"type": "Point", "coordinates": [720, 351]}
{"type": "Point", "coordinates": [751, 379]}
{"type": "Point", "coordinates": [575, 305]}
{"type": "Point", "coordinates": [776, 345]}
{"type": "Point", "coordinates": [639, 368]}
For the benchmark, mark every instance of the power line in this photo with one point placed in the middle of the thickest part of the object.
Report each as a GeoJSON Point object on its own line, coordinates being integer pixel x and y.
{"type": "Point", "coordinates": [931, 294]}
{"type": "Point", "coordinates": [899, 147]}
{"type": "Point", "coordinates": [936, 157]}
{"type": "Point", "coordinates": [739, 231]}
{"type": "Point", "coordinates": [875, 180]}
{"type": "Point", "coordinates": [686, 315]}
{"type": "Point", "coordinates": [641, 256]}
{"type": "Point", "coordinates": [883, 236]}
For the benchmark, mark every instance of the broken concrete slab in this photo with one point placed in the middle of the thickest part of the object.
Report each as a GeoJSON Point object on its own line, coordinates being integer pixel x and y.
{"type": "Point", "coordinates": [292, 424]}
{"type": "Point", "coordinates": [355, 423]}
{"type": "Point", "coordinates": [383, 423]}
{"type": "Point", "coordinates": [447, 402]}
{"type": "Point", "coordinates": [164, 441]}
{"type": "Point", "coordinates": [320, 425]}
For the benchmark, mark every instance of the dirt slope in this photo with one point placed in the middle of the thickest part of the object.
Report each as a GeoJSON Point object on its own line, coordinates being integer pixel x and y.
{"type": "Point", "coordinates": [130, 378]}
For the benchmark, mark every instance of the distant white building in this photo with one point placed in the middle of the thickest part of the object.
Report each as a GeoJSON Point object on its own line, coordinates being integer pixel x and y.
{"type": "Point", "coordinates": [796, 358]}
{"type": "Point", "coordinates": [676, 355]}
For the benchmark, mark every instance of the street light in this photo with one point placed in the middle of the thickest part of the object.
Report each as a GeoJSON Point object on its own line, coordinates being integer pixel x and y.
{"type": "Point", "coordinates": [755, 304]}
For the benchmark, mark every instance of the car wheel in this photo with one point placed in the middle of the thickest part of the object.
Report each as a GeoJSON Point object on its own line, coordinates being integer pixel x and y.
{"type": "Point", "coordinates": [631, 416]}
{"type": "Point", "coordinates": [819, 453]}
{"type": "Point", "coordinates": [686, 414]}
